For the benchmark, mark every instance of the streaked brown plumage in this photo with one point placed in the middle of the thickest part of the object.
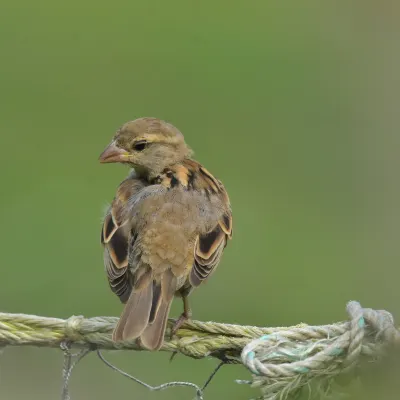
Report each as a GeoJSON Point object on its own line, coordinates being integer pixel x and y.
{"type": "Point", "coordinates": [165, 230]}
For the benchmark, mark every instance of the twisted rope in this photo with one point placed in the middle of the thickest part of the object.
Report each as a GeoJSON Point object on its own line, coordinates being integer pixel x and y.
{"type": "Point", "coordinates": [282, 360]}
{"type": "Point", "coordinates": [195, 339]}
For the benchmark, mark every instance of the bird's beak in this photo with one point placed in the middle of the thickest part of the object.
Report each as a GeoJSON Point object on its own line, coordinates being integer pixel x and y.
{"type": "Point", "coordinates": [113, 154]}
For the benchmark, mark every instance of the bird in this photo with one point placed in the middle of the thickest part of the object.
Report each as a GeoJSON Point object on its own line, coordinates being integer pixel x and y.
{"type": "Point", "coordinates": [165, 231]}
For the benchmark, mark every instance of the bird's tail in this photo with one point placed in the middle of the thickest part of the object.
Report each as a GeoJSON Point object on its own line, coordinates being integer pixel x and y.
{"type": "Point", "coordinates": [146, 312]}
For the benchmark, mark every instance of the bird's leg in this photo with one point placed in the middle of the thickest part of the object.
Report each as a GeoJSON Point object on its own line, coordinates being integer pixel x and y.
{"type": "Point", "coordinates": [187, 314]}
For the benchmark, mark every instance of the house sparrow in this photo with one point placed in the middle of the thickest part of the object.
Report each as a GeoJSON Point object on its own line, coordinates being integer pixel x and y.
{"type": "Point", "coordinates": [165, 231]}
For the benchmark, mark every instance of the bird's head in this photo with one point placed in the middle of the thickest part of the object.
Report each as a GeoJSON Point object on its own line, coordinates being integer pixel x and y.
{"type": "Point", "coordinates": [147, 144]}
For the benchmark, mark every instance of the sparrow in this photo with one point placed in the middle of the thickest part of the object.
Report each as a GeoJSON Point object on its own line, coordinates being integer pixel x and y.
{"type": "Point", "coordinates": [165, 230]}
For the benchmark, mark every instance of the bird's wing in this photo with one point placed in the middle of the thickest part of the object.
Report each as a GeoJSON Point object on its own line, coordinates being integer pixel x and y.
{"type": "Point", "coordinates": [117, 237]}
{"type": "Point", "coordinates": [209, 246]}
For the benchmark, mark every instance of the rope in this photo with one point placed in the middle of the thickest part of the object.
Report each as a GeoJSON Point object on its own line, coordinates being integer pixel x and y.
{"type": "Point", "coordinates": [282, 360]}
{"type": "Point", "coordinates": [195, 339]}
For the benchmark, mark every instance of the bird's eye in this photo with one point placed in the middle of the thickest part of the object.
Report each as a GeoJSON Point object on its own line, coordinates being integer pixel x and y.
{"type": "Point", "coordinates": [140, 145]}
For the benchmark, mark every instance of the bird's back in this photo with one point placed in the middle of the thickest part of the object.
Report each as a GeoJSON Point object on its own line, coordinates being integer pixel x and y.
{"type": "Point", "coordinates": [173, 230]}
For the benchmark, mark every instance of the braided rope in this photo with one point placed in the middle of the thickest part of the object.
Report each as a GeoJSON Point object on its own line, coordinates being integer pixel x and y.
{"type": "Point", "coordinates": [282, 360]}
{"type": "Point", "coordinates": [287, 360]}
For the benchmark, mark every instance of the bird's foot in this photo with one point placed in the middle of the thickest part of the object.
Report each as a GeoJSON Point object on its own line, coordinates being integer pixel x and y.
{"type": "Point", "coordinates": [179, 322]}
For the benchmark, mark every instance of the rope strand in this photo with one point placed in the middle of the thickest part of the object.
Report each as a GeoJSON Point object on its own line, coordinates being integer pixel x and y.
{"type": "Point", "coordinates": [282, 360]}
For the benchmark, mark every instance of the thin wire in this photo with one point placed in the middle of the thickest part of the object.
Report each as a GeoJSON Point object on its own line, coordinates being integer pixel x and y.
{"type": "Point", "coordinates": [66, 370]}
{"type": "Point", "coordinates": [210, 378]}
{"type": "Point", "coordinates": [72, 359]}
{"type": "Point", "coordinates": [199, 392]}
{"type": "Point", "coordinates": [69, 365]}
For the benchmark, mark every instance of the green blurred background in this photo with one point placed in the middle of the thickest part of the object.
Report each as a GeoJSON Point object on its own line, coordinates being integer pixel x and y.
{"type": "Point", "coordinates": [293, 105]}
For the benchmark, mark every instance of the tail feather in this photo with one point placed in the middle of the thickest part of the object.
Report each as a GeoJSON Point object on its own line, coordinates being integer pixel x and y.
{"type": "Point", "coordinates": [136, 313]}
{"type": "Point", "coordinates": [156, 301]}
{"type": "Point", "coordinates": [135, 316]}
{"type": "Point", "coordinates": [153, 336]}
{"type": "Point", "coordinates": [146, 313]}
{"type": "Point", "coordinates": [168, 285]}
